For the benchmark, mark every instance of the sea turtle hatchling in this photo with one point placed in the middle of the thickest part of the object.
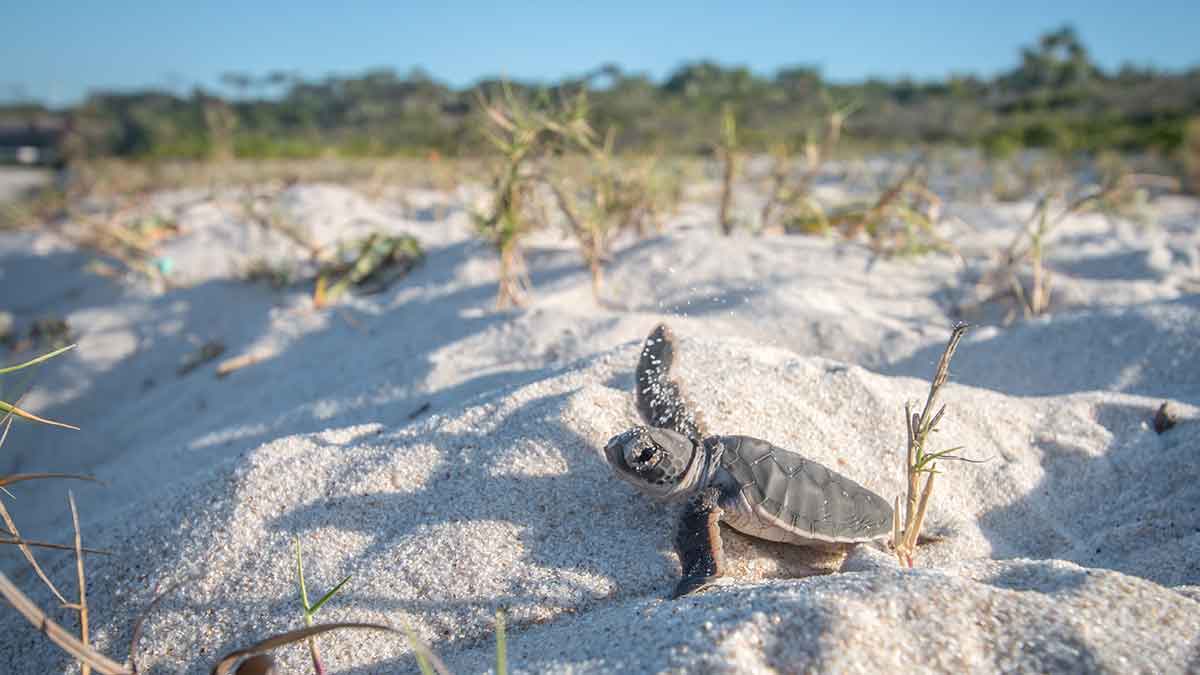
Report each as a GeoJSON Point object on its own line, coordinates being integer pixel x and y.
{"type": "Point", "coordinates": [752, 485]}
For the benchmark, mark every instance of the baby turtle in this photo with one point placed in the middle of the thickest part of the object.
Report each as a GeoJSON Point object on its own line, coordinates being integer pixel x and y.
{"type": "Point", "coordinates": [750, 484]}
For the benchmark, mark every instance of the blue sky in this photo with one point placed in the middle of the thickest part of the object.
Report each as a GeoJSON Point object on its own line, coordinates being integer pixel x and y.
{"type": "Point", "coordinates": [57, 51]}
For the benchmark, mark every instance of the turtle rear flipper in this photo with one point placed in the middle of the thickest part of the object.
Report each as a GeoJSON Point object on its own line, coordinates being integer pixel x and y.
{"type": "Point", "coordinates": [698, 542]}
{"type": "Point", "coordinates": [660, 400]}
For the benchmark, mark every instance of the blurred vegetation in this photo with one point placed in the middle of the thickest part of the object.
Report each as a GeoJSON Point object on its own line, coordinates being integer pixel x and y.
{"type": "Point", "coordinates": [1054, 98]}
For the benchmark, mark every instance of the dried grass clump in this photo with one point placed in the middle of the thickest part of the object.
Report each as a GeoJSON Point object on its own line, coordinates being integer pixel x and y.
{"type": "Point", "coordinates": [902, 221]}
{"type": "Point", "coordinates": [1024, 258]}
{"type": "Point", "coordinates": [792, 199]}
{"type": "Point", "coordinates": [603, 196]}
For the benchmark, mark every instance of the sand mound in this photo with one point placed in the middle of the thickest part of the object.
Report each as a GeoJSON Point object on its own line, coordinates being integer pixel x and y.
{"type": "Point", "coordinates": [507, 503]}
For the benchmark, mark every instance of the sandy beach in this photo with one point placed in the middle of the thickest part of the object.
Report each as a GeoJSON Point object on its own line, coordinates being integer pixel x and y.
{"type": "Point", "coordinates": [449, 456]}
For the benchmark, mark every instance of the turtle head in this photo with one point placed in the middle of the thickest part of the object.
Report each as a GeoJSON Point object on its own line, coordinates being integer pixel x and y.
{"type": "Point", "coordinates": [658, 462]}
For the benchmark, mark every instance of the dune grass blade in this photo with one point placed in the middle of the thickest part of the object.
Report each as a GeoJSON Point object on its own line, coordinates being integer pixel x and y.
{"type": "Point", "coordinates": [501, 644]}
{"type": "Point", "coordinates": [37, 360]}
{"type": "Point", "coordinates": [19, 477]}
{"type": "Point", "coordinates": [226, 663]}
{"type": "Point", "coordinates": [329, 595]}
{"type": "Point", "coordinates": [43, 544]}
{"type": "Point", "coordinates": [427, 661]}
{"type": "Point", "coordinates": [86, 668]}
{"type": "Point", "coordinates": [56, 633]}
{"type": "Point", "coordinates": [10, 409]}
{"type": "Point", "coordinates": [25, 550]}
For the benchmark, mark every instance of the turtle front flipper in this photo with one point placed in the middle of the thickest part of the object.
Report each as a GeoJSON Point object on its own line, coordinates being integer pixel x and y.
{"type": "Point", "coordinates": [698, 542]}
{"type": "Point", "coordinates": [660, 400]}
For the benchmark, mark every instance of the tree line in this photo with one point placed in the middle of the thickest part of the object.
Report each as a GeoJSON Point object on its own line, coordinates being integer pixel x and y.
{"type": "Point", "coordinates": [1055, 97]}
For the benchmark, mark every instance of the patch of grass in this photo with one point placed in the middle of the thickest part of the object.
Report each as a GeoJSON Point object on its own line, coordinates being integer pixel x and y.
{"type": "Point", "coordinates": [921, 464]}
{"type": "Point", "coordinates": [604, 196]}
{"type": "Point", "coordinates": [518, 133]}
{"type": "Point", "coordinates": [369, 264]}
{"type": "Point", "coordinates": [794, 196]}
{"type": "Point", "coordinates": [900, 222]}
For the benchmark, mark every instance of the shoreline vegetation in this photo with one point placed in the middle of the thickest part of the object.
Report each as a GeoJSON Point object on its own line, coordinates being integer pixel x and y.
{"type": "Point", "coordinates": [1055, 98]}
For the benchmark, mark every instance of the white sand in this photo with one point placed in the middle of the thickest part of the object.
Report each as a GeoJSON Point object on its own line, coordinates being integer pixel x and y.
{"type": "Point", "coordinates": [1072, 548]}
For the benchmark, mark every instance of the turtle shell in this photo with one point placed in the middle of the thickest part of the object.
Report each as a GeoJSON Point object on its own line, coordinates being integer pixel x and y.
{"type": "Point", "coordinates": [782, 496]}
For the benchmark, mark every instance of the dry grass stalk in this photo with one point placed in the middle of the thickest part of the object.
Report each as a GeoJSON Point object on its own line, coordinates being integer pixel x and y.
{"type": "Point", "coordinates": [12, 409]}
{"type": "Point", "coordinates": [79, 649]}
{"type": "Point", "coordinates": [129, 239]}
{"type": "Point", "coordinates": [606, 200]}
{"type": "Point", "coordinates": [869, 220]}
{"type": "Point", "coordinates": [920, 463]}
{"type": "Point", "coordinates": [232, 365]}
{"type": "Point", "coordinates": [780, 171]}
{"type": "Point", "coordinates": [29, 557]}
{"type": "Point", "coordinates": [82, 606]}
{"type": "Point", "coordinates": [56, 633]}
{"type": "Point", "coordinates": [11, 541]}
{"type": "Point", "coordinates": [1028, 250]}
{"type": "Point", "coordinates": [227, 663]}
{"type": "Point", "coordinates": [900, 222]}
{"type": "Point", "coordinates": [1191, 154]}
{"type": "Point", "coordinates": [730, 156]}
{"type": "Point", "coordinates": [591, 235]}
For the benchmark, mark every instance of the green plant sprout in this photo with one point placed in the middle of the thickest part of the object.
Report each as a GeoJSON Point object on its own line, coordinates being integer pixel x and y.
{"type": "Point", "coordinates": [310, 610]}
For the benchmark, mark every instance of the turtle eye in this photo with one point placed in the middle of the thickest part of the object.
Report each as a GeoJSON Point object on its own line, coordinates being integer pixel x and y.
{"type": "Point", "coordinates": [641, 455]}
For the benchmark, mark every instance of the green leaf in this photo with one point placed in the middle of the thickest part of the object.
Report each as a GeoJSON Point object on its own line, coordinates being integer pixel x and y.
{"type": "Point", "coordinates": [328, 595]}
